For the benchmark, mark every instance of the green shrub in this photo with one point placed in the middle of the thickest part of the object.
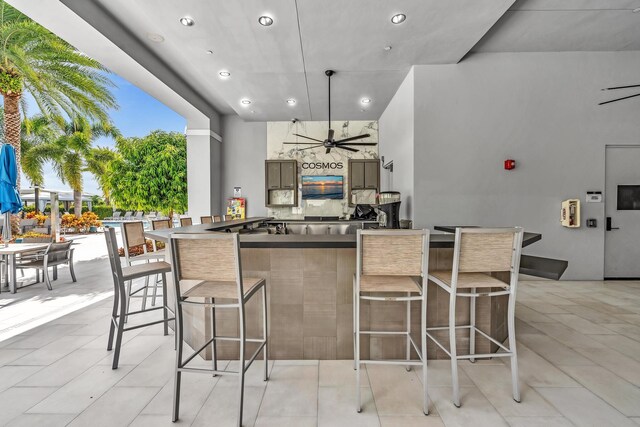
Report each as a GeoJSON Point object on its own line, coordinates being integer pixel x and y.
{"type": "Point", "coordinates": [103, 211]}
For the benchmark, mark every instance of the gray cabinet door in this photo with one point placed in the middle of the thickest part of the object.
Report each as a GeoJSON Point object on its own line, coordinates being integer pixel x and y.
{"type": "Point", "coordinates": [371, 175]}
{"type": "Point", "coordinates": [287, 175]}
{"type": "Point", "coordinates": [273, 175]}
{"type": "Point", "coordinates": [357, 175]}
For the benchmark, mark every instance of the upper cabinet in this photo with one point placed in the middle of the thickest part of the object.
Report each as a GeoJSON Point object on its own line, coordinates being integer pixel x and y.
{"type": "Point", "coordinates": [364, 174]}
{"type": "Point", "coordinates": [281, 175]}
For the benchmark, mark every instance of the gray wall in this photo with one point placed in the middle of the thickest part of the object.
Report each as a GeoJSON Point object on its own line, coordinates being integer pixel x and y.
{"type": "Point", "coordinates": [396, 136]}
{"type": "Point", "coordinates": [244, 149]}
{"type": "Point", "coordinates": [539, 109]}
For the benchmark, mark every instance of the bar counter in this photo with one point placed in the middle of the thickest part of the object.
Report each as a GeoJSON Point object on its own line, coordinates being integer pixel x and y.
{"type": "Point", "coordinates": [310, 298]}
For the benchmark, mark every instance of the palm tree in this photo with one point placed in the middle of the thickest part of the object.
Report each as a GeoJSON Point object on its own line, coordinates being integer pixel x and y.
{"type": "Point", "coordinates": [61, 80]}
{"type": "Point", "coordinates": [70, 151]}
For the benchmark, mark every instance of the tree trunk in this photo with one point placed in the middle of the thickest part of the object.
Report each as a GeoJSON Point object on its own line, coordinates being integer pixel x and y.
{"type": "Point", "coordinates": [12, 136]}
{"type": "Point", "coordinates": [77, 203]}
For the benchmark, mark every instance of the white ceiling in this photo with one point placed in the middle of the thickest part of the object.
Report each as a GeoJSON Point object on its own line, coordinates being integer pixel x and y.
{"type": "Point", "coordinates": [565, 25]}
{"type": "Point", "coordinates": [288, 59]}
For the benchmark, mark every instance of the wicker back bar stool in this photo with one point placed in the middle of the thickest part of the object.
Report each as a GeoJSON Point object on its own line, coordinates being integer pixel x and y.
{"type": "Point", "coordinates": [392, 265]}
{"type": "Point", "coordinates": [206, 219]}
{"type": "Point", "coordinates": [217, 218]}
{"type": "Point", "coordinates": [122, 275]}
{"type": "Point", "coordinates": [185, 222]}
{"type": "Point", "coordinates": [133, 237]}
{"type": "Point", "coordinates": [207, 267]}
{"type": "Point", "coordinates": [477, 253]}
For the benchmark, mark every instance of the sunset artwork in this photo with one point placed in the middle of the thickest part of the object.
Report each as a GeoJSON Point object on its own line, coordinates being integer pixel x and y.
{"type": "Point", "coordinates": [322, 187]}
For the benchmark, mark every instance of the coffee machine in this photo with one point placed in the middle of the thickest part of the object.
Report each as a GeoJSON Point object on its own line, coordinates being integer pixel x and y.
{"type": "Point", "coordinates": [389, 209]}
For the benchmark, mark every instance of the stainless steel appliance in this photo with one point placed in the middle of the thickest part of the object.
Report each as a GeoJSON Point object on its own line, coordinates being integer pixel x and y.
{"type": "Point", "coordinates": [389, 209]}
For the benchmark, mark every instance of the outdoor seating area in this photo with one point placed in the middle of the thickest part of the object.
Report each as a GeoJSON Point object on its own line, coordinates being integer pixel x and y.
{"type": "Point", "coordinates": [320, 213]}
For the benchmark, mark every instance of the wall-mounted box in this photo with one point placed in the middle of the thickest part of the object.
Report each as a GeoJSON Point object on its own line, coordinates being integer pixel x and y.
{"type": "Point", "coordinates": [364, 174]}
{"type": "Point", "coordinates": [570, 213]}
{"type": "Point", "coordinates": [594, 197]}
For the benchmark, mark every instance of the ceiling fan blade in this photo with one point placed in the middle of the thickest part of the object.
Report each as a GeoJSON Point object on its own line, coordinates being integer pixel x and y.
{"type": "Point", "coordinates": [347, 148]}
{"type": "Point", "coordinates": [330, 135]}
{"type": "Point", "coordinates": [369, 144]}
{"type": "Point", "coordinates": [301, 143]}
{"type": "Point", "coordinates": [308, 137]}
{"type": "Point", "coordinates": [353, 138]}
{"type": "Point", "coordinates": [313, 146]}
{"type": "Point", "coordinates": [619, 99]}
{"type": "Point", "coordinates": [620, 87]}
{"type": "Point", "coordinates": [328, 150]}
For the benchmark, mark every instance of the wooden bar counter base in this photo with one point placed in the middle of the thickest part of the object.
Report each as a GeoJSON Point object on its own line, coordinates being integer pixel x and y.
{"type": "Point", "coordinates": [310, 298]}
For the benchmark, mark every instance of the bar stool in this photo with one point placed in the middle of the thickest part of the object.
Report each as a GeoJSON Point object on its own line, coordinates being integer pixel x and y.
{"type": "Point", "coordinates": [184, 222]}
{"type": "Point", "coordinates": [208, 265]}
{"type": "Point", "coordinates": [218, 218]}
{"type": "Point", "coordinates": [206, 219]}
{"type": "Point", "coordinates": [121, 296]}
{"type": "Point", "coordinates": [394, 264]}
{"type": "Point", "coordinates": [158, 224]}
{"type": "Point", "coordinates": [477, 253]}
{"type": "Point", "coordinates": [132, 237]}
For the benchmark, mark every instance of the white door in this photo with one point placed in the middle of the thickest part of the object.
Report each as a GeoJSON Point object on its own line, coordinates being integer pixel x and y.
{"type": "Point", "coordinates": [622, 212]}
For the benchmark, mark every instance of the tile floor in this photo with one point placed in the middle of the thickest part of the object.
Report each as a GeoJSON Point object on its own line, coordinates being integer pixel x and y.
{"type": "Point", "coordinates": [579, 350]}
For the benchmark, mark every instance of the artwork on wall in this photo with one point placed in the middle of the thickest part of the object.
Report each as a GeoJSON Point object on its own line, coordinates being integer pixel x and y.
{"type": "Point", "coordinates": [317, 161]}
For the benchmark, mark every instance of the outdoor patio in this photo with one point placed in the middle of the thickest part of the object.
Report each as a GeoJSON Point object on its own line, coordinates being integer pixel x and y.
{"type": "Point", "coordinates": [579, 353]}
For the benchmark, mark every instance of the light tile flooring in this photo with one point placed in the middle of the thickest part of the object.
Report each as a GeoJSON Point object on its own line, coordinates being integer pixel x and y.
{"type": "Point", "coordinates": [579, 351]}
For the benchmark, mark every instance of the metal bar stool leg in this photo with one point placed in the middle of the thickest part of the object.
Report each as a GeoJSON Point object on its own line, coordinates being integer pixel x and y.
{"type": "Point", "coordinates": [165, 309]}
{"type": "Point", "coordinates": [241, 371]}
{"type": "Point", "coordinates": [178, 374]}
{"type": "Point", "coordinates": [145, 293]}
{"type": "Point", "coordinates": [114, 319]}
{"type": "Point", "coordinates": [512, 346]}
{"type": "Point", "coordinates": [120, 331]}
{"type": "Point", "coordinates": [423, 337]}
{"type": "Point", "coordinates": [453, 350]}
{"type": "Point", "coordinates": [265, 331]}
{"type": "Point", "coordinates": [128, 287]}
{"type": "Point", "coordinates": [155, 290]}
{"type": "Point", "coordinates": [357, 355]}
{"type": "Point", "coordinates": [408, 367]}
{"type": "Point", "coordinates": [214, 353]}
{"type": "Point", "coordinates": [354, 323]}
{"type": "Point", "coordinates": [472, 322]}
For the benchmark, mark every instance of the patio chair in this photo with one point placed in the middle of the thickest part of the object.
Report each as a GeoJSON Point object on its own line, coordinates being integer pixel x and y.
{"type": "Point", "coordinates": [47, 225]}
{"type": "Point", "coordinates": [139, 215]}
{"type": "Point", "coordinates": [152, 215]}
{"type": "Point", "coordinates": [116, 216]}
{"type": "Point", "coordinates": [128, 215]}
{"type": "Point", "coordinates": [27, 225]}
{"type": "Point", "coordinates": [56, 254]}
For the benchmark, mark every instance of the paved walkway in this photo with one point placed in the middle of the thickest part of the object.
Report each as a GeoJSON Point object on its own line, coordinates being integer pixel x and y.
{"type": "Point", "coordinates": [35, 305]}
{"type": "Point", "coordinates": [579, 351]}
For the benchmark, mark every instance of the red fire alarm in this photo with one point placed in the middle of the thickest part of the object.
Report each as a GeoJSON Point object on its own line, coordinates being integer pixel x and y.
{"type": "Point", "coordinates": [509, 164]}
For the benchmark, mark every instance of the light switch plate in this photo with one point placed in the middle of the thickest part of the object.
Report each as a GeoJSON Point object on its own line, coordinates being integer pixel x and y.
{"type": "Point", "coordinates": [594, 197]}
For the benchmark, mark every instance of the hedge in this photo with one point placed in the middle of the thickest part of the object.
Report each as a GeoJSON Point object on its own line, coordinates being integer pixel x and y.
{"type": "Point", "coordinates": [103, 211]}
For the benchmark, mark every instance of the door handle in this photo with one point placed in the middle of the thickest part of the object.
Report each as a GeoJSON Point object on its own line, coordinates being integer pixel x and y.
{"type": "Point", "coordinates": [609, 227]}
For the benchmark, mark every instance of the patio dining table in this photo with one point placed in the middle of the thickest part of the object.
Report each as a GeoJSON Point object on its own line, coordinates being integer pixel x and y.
{"type": "Point", "coordinates": [10, 253]}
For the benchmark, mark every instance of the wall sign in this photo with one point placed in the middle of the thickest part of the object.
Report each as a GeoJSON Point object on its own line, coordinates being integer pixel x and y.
{"type": "Point", "coordinates": [237, 191]}
{"type": "Point", "coordinates": [322, 165]}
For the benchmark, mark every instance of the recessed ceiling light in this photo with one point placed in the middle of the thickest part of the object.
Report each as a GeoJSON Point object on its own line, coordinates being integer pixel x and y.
{"type": "Point", "coordinates": [366, 100]}
{"type": "Point", "coordinates": [291, 101]}
{"type": "Point", "coordinates": [265, 21]}
{"type": "Point", "coordinates": [209, 52]}
{"type": "Point", "coordinates": [245, 101]}
{"type": "Point", "coordinates": [387, 48]}
{"type": "Point", "coordinates": [636, 10]}
{"type": "Point", "coordinates": [399, 18]}
{"type": "Point", "coordinates": [186, 21]}
{"type": "Point", "coordinates": [156, 38]}
{"type": "Point", "coordinates": [224, 74]}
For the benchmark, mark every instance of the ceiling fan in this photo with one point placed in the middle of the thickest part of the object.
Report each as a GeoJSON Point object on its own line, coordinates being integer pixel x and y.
{"type": "Point", "coordinates": [330, 142]}
{"type": "Point", "coordinates": [624, 97]}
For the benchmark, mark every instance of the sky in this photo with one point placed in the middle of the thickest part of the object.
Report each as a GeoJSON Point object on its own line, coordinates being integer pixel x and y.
{"type": "Point", "coordinates": [138, 115]}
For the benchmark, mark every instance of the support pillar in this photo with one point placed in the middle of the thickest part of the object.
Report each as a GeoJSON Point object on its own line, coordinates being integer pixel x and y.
{"type": "Point", "coordinates": [203, 172]}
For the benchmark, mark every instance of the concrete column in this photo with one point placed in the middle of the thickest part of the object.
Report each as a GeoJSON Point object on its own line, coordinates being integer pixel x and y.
{"type": "Point", "coordinates": [203, 172]}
